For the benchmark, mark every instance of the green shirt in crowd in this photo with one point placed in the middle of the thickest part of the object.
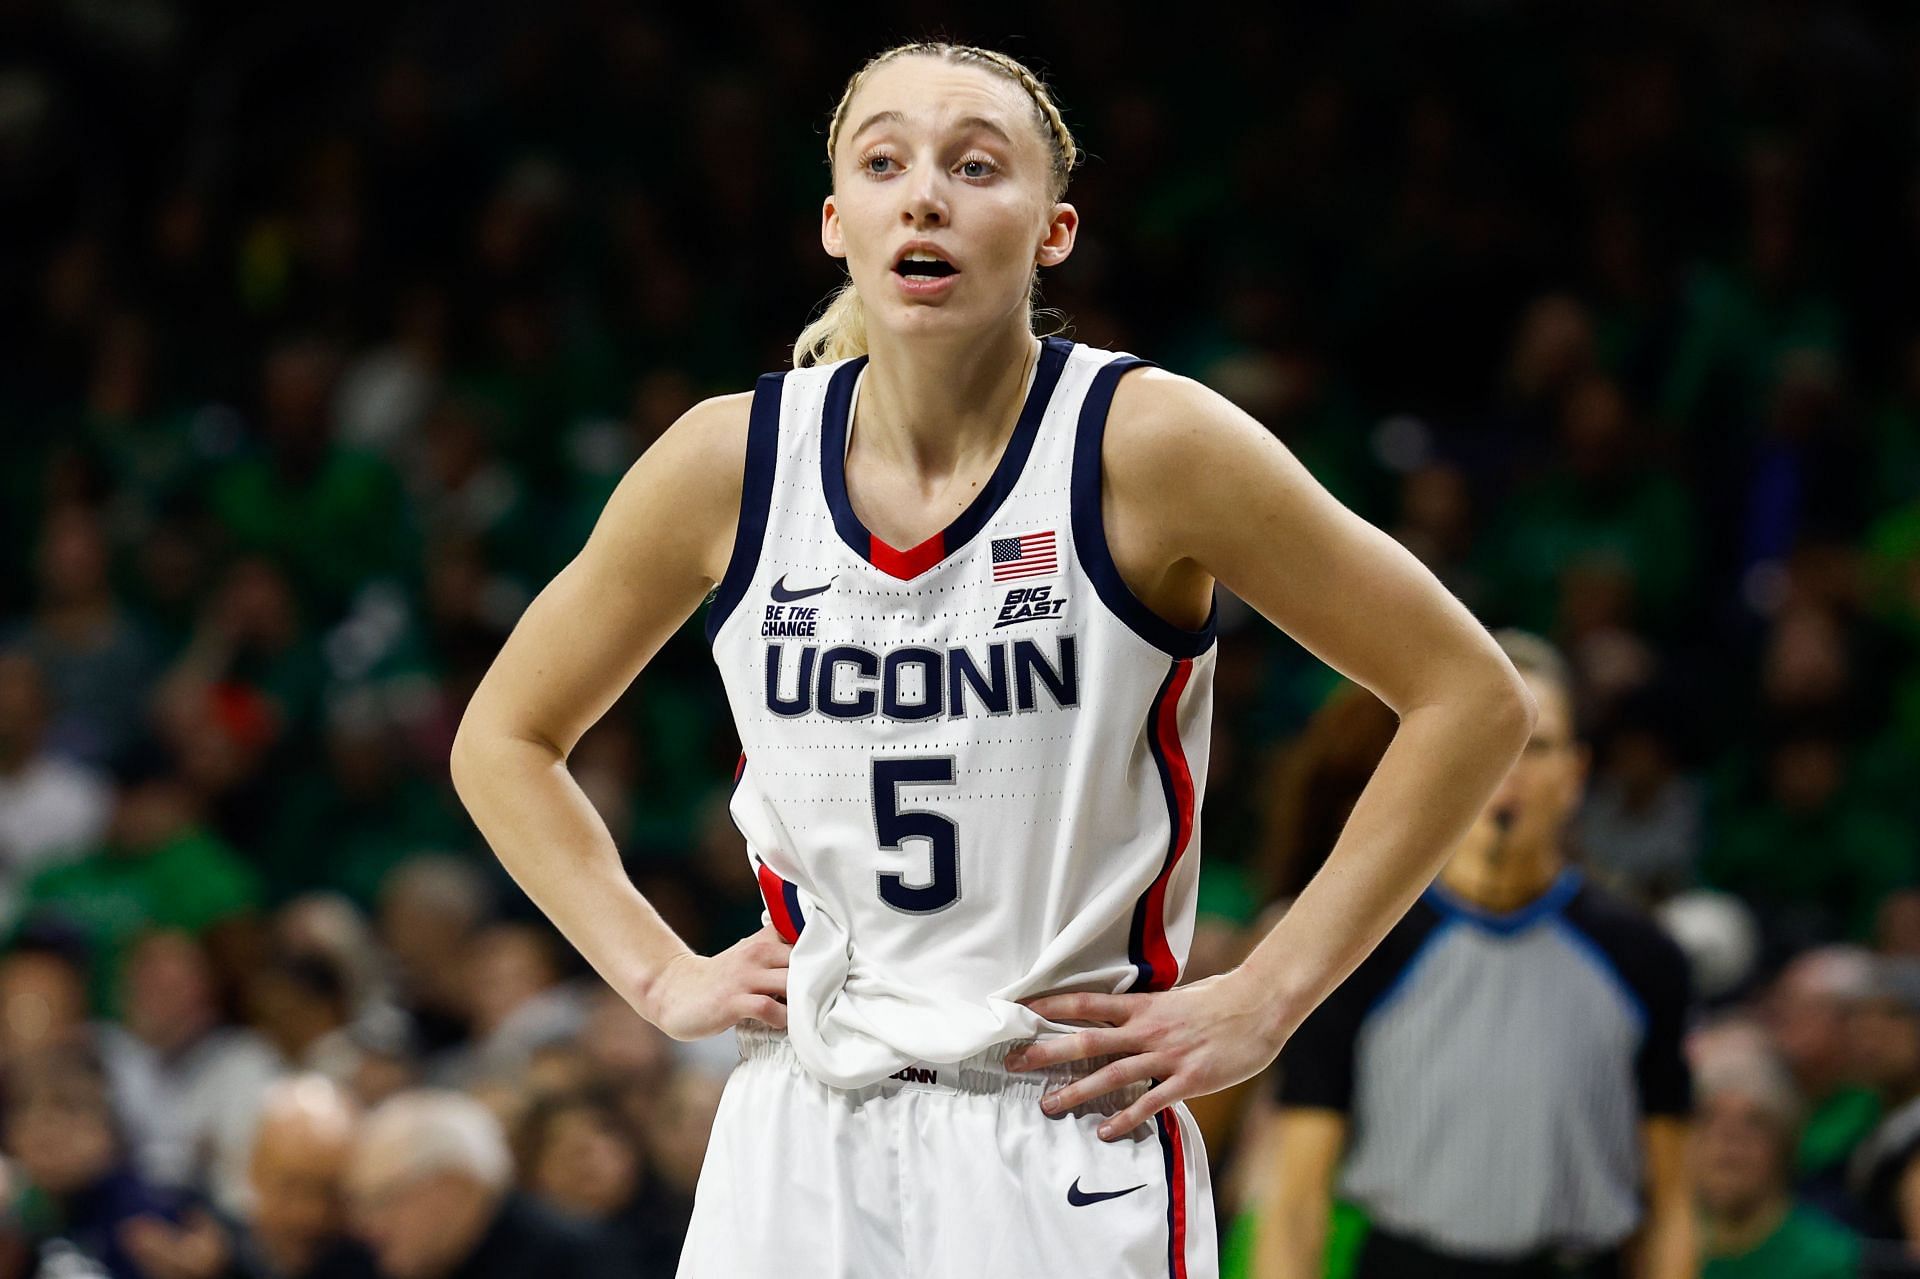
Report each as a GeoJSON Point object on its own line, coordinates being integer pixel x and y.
{"type": "Point", "coordinates": [1804, 1246]}
{"type": "Point", "coordinates": [1835, 1127]}
{"type": "Point", "coordinates": [189, 882]}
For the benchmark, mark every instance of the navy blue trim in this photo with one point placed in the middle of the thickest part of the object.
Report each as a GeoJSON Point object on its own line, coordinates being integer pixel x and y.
{"type": "Point", "coordinates": [1173, 1192]}
{"type": "Point", "coordinates": [756, 495]}
{"type": "Point", "coordinates": [1551, 902]}
{"type": "Point", "coordinates": [1577, 938]}
{"type": "Point", "coordinates": [1137, 934]}
{"type": "Point", "coordinates": [1013, 459]}
{"type": "Point", "coordinates": [1090, 533]}
{"type": "Point", "coordinates": [792, 894]}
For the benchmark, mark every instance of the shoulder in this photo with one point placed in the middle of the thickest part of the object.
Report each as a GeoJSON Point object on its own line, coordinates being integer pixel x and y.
{"type": "Point", "coordinates": [1637, 946]}
{"type": "Point", "coordinates": [1206, 481]}
{"type": "Point", "coordinates": [1386, 965]}
{"type": "Point", "coordinates": [1607, 916]}
{"type": "Point", "coordinates": [1163, 423]}
{"type": "Point", "coordinates": [1818, 1239]}
{"type": "Point", "coordinates": [710, 439]}
{"type": "Point", "coordinates": [686, 486]}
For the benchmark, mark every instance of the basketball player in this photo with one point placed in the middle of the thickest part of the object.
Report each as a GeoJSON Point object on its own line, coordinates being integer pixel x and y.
{"type": "Point", "coordinates": [964, 613]}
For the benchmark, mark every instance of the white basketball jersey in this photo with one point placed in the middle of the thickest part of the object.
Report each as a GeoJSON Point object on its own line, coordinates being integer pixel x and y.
{"type": "Point", "coordinates": [971, 771]}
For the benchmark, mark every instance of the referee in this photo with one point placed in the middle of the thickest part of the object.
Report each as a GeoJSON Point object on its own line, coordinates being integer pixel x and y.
{"type": "Point", "coordinates": [1500, 1085]}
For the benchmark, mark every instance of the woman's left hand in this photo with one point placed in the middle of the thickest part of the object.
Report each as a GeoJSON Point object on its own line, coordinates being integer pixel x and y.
{"type": "Point", "coordinates": [1193, 1039]}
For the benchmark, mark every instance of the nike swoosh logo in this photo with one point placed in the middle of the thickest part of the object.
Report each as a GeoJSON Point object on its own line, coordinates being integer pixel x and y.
{"type": "Point", "coordinates": [781, 595]}
{"type": "Point", "coordinates": [1080, 1198]}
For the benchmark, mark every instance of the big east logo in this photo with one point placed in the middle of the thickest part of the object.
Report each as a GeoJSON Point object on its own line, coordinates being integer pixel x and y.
{"type": "Point", "coordinates": [1029, 604]}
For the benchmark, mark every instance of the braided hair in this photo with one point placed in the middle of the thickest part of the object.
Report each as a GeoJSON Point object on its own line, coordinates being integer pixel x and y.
{"type": "Point", "coordinates": [841, 329]}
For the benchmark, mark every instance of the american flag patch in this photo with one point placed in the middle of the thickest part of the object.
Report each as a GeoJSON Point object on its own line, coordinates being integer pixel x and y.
{"type": "Point", "coordinates": [1029, 555]}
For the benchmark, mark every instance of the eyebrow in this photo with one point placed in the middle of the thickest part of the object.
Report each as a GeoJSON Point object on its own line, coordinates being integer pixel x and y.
{"type": "Point", "coordinates": [965, 122]}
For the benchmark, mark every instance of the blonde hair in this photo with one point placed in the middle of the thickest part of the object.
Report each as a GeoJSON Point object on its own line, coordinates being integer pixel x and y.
{"type": "Point", "coordinates": [840, 331]}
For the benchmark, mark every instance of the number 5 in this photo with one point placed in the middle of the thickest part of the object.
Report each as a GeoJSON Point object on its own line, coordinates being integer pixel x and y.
{"type": "Point", "coordinates": [892, 825]}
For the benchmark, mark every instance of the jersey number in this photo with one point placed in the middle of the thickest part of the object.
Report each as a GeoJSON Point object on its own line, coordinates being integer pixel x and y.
{"type": "Point", "coordinates": [894, 824]}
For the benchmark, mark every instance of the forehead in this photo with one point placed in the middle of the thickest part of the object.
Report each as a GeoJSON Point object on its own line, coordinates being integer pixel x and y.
{"type": "Point", "coordinates": [929, 93]}
{"type": "Point", "coordinates": [1556, 713]}
{"type": "Point", "coordinates": [1735, 1101]}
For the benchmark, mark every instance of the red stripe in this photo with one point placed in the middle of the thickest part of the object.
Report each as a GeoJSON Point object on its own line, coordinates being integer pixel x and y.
{"type": "Point", "coordinates": [1166, 730]}
{"type": "Point", "coordinates": [773, 893]}
{"type": "Point", "coordinates": [1170, 1125]}
{"type": "Point", "coordinates": [910, 563]}
{"type": "Point", "coordinates": [741, 767]}
{"type": "Point", "coordinates": [1004, 571]}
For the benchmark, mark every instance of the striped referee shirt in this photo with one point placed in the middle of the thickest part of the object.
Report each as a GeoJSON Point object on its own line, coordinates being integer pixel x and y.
{"type": "Point", "coordinates": [1493, 1069]}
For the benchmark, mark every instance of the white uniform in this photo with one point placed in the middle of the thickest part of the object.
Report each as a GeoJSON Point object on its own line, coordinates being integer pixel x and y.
{"type": "Point", "coordinates": [970, 775]}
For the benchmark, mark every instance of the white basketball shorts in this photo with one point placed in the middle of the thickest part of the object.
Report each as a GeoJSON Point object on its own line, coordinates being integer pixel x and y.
{"type": "Point", "coordinates": [945, 1171]}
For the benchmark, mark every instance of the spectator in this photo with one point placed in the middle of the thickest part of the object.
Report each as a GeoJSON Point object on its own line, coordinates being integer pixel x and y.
{"type": "Point", "coordinates": [160, 868]}
{"type": "Point", "coordinates": [430, 908]}
{"type": "Point", "coordinates": [51, 809]}
{"type": "Point", "coordinates": [97, 660]}
{"type": "Point", "coordinates": [517, 1002]}
{"type": "Point", "coordinates": [1499, 1085]}
{"type": "Point", "coordinates": [83, 1190]}
{"type": "Point", "coordinates": [348, 825]}
{"type": "Point", "coordinates": [44, 1006]}
{"type": "Point", "coordinates": [581, 1156]}
{"type": "Point", "coordinates": [430, 1188]}
{"type": "Point", "coordinates": [210, 1075]}
{"type": "Point", "coordinates": [334, 516]}
{"type": "Point", "coordinates": [1750, 1226]}
{"type": "Point", "coordinates": [329, 925]}
{"type": "Point", "coordinates": [1602, 499]}
{"type": "Point", "coordinates": [630, 1052]}
{"type": "Point", "coordinates": [301, 1003]}
{"type": "Point", "coordinates": [296, 1228]}
{"type": "Point", "coordinates": [1810, 1013]}
{"type": "Point", "coordinates": [1814, 859]}
{"type": "Point", "coordinates": [1883, 1171]}
{"type": "Point", "coordinates": [1641, 820]}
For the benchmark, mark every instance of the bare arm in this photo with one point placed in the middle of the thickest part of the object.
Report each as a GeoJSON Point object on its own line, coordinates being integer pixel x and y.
{"type": "Point", "coordinates": [1363, 604]}
{"type": "Point", "coordinates": [1297, 1201]}
{"type": "Point", "coordinates": [1212, 493]}
{"type": "Point", "coordinates": [659, 545]}
{"type": "Point", "coordinates": [1665, 1247]}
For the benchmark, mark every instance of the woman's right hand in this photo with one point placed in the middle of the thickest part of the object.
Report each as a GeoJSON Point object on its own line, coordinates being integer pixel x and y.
{"type": "Point", "coordinates": [695, 996]}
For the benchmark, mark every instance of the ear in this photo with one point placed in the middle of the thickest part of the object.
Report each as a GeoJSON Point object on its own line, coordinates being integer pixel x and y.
{"type": "Point", "coordinates": [1063, 227]}
{"type": "Point", "coordinates": [1578, 769]}
{"type": "Point", "coordinates": [830, 238]}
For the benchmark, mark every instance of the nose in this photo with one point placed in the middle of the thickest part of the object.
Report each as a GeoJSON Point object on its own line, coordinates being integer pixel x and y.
{"type": "Point", "coordinates": [1505, 796]}
{"type": "Point", "coordinates": [925, 205]}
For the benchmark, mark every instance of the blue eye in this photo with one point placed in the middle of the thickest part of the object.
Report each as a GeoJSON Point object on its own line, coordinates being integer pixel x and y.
{"type": "Point", "coordinates": [866, 163]}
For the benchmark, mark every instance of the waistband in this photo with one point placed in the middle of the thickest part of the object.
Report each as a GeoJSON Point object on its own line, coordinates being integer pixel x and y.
{"type": "Point", "coordinates": [1385, 1253]}
{"type": "Point", "coordinates": [983, 1074]}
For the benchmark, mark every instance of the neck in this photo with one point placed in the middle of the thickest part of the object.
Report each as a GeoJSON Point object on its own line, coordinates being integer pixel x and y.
{"type": "Point", "coordinates": [1730, 1234]}
{"type": "Point", "coordinates": [1503, 879]}
{"type": "Point", "coordinates": [931, 404]}
{"type": "Point", "coordinates": [178, 1038]}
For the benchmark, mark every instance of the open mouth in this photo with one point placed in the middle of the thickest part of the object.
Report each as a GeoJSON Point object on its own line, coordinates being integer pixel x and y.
{"type": "Point", "coordinates": [932, 270]}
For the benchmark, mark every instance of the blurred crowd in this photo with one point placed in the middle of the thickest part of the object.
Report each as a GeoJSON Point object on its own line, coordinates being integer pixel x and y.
{"type": "Point", "coordinates": [327, 330]}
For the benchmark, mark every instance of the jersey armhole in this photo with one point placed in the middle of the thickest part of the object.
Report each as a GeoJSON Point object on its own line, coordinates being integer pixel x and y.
{"type": "Point", "coordinates": [756, 495]}
{"type": "Point", "coordinates": [1090, 533]}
